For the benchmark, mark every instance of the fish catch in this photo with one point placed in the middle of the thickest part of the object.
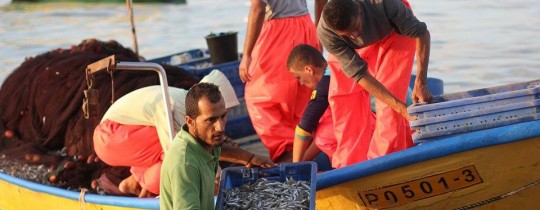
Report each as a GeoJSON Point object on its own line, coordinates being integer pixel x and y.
{"type": "Point", "coordinates": [269, 194]}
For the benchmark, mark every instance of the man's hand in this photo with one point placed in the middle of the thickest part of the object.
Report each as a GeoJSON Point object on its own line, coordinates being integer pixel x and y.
{"type": "Point", "coordinates": [261, 161]}
{"type": "Point", "coordinates": [421, 94]}
{"type": "Point", "coordinates": [402, 110]}
{"type": "Point", "coordinates": [243, 69]}
{"type": "Point", "coordinates": [227, 140]}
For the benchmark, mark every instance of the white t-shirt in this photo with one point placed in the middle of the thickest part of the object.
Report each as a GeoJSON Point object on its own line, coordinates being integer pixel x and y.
{"type": "Point", "coordinates": [145, 107]}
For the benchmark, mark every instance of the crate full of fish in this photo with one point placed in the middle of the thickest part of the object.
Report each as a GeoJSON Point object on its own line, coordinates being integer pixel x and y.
{"type": "Point", "coordinates": [287, 186]}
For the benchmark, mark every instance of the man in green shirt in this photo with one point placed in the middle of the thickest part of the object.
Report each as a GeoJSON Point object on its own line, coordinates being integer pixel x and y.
{"type": "Point", "coordinates": [189, 167]}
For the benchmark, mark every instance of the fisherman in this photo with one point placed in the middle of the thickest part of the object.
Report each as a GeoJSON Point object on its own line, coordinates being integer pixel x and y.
{"type": "Point", "coordinates": [190, 165]}
{"type": "Point", "coordinates": [374, 43]}
{"type": "Point", "coordinates": [274, 99]}
{"type": "Point", "coordinates": [134, 132]}
{"type": "Point", "coordinates": [315, 132]}
{"type": "Point", "coordinates": [308, 65]}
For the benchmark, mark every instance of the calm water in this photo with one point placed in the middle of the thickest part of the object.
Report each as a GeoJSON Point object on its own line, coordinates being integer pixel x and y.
{"type": "Point", "coordinates": [475, 44]}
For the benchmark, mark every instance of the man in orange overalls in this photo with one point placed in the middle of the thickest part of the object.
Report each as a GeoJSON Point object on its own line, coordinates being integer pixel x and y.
{"type": "Point", "coordinates": [274, 99]}
{"type": "Point", "coordinates": [374, 43]}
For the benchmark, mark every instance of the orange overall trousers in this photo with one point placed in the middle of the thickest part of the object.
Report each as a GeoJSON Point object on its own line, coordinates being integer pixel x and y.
{"type": "Point", "coordinates": [131, 145]}
{"type": "Point", "coordinates": [360, 133]}
{"type": "Point", "coordinates": [275, 99]}
{"type": "Point", "coordinates": [324, 136]}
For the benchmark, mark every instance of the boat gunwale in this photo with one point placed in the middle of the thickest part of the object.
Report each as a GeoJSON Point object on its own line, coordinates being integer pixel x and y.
{"type": "Point", "coordinates": [431, 149]}
{"type": "Point", "coordinates": [117, 201]}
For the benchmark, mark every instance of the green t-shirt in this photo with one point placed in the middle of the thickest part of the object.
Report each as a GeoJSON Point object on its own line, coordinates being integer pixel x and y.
{"type": "Point", "coordinates": [188, 173]}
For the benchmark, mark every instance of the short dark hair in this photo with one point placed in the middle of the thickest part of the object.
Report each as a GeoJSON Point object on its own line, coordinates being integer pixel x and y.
{"type": "Point", "coordinates": [338, 13]}
{"type": "Point", "coordinates": [197, 92]}
{"type": "Point", "coordinates": [303, 55]}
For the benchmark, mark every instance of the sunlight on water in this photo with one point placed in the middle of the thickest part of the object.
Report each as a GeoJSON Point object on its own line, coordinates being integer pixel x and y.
{"type": "Point", "coordinates": [475, 44]}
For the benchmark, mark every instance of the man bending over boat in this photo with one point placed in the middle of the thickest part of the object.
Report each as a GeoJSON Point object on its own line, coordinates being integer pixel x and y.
{"type": "Point", "coordinates": [133, 132]}
{"type": "Point", "coordinates": [315, 132]}
{"type": "Point", "coordinates": [374, 43]}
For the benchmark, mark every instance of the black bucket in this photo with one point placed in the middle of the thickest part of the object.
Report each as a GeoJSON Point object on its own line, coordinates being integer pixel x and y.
{"type": "Point", "coordinates": [223, 47]}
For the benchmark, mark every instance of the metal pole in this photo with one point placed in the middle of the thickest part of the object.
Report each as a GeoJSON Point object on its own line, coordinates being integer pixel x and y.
{"type": "Point", "coordinates": [145, 66]}
{"type": "Point", "coordinates": [129, 4]}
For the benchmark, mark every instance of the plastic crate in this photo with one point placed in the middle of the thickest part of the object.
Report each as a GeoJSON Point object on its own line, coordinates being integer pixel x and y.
{"type": "Point", "coordinates": [238, 122]}
{"type": "Point", "coordinates": [239, 127]}
{"type": "Point", "coordinates": [476, 109]}
{"type": "Point", "coordinates": [237, 176]}
{"type": "Point", "coordinates": [202, 67]}
{"type": "Point", "coordinates": [183, 57]}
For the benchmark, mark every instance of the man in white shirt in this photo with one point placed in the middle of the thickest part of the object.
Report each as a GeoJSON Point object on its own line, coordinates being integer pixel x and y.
{"type": "Point", "coordinates": [134, 132]}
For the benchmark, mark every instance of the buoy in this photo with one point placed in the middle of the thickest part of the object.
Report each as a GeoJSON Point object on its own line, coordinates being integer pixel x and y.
{"type": "Point", "coordinates": [9, 134]}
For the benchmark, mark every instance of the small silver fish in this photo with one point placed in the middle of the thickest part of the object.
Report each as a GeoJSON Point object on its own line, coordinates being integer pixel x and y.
{"type": "Point", "coordinates": [269, 194]}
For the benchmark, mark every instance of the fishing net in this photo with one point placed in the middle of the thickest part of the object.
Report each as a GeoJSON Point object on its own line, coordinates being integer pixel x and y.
{"type": "Point", "coordinates": [41, 105]}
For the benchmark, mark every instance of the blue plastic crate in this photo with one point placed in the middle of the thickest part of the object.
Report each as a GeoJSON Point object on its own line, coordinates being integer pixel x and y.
{"type": "Point", "coordinates": [200, 65]}
{"type": "Point", "coordinates": [201, 68]}
{"type": "Point", "coordinates": [238, 122]}
{"type": "Point", "coordinates": [238, 111]}
{"type": "Point", "coordinates": [188, 57]}
{"type": "Point", "coordinates": [239, 127]}
{"type": "Point", "coordinates": [476, 109]}
{"type": "Point", "coordinates": [237, 176]}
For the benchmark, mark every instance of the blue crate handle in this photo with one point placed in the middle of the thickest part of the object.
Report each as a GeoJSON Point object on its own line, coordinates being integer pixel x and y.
{"type": "Point", "coordinates": [275, 171]}
{"type": "Point", "coordinates": [256, 172]}
{"type": "Point", "coordinates": [248, 173]}
{"type": "Point", "coordinates": [474, 100]}
{"type": "Point", "coordinates": [465, 115]}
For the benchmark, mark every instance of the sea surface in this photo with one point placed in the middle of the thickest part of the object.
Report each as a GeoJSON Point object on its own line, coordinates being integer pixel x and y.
{"type": "Point", "coordinates": [474, 44]}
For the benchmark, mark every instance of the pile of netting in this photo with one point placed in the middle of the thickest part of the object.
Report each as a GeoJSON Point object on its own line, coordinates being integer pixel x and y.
{"type": "Point", "coordinates": [41, 119]}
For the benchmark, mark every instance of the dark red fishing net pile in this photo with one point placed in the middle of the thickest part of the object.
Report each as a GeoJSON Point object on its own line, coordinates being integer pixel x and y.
{"type": "Point", "coordinates": [40, 104]}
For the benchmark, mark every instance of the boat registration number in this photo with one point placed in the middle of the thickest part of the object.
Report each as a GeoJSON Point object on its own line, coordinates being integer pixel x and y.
{"type": "Point", "coordinates": [425, 187]}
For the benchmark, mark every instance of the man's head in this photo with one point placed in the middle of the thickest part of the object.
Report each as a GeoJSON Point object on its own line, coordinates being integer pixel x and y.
{"type": "Point", "coordinates": [227, 91]}
{"type": "Point", "coordinates": [206, 114]}
{"type": "Point", "coordinates": [344, 17]}
{"type": "Point", "coordinates": [306, 64]}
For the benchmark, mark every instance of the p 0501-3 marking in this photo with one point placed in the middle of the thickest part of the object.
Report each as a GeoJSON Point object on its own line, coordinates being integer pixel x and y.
{"type": "Point", "coordinates": [425, 187]}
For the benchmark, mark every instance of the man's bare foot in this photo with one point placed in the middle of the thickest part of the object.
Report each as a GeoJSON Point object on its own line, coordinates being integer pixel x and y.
{"type": "Point", "coordinates": [130, 186]}
{"type": "Point", "coordinates": [146, 194]}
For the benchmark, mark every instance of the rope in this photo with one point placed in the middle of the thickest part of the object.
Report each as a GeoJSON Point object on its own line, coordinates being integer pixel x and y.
{"type": "Point", "coordinates": [111, 74]}
{"type": "Point", "coordinates": [82, 202]}
{"type": "Point", "coordinates": [499, 197]}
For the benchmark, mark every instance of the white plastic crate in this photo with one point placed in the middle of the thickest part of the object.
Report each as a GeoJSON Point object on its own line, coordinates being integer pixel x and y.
{"type": "Point", "coordinates": [477, 109]}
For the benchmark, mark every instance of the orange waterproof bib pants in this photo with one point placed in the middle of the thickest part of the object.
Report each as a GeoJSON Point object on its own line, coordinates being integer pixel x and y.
{"type": "Point", "coordinates": [275, 99]}
{"type": "Point", "coordinates": [360, 135]}
{"type": "Point", "coordinates": [324, 136]}
{"type": "Point", "coordinates": [131, 145]}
